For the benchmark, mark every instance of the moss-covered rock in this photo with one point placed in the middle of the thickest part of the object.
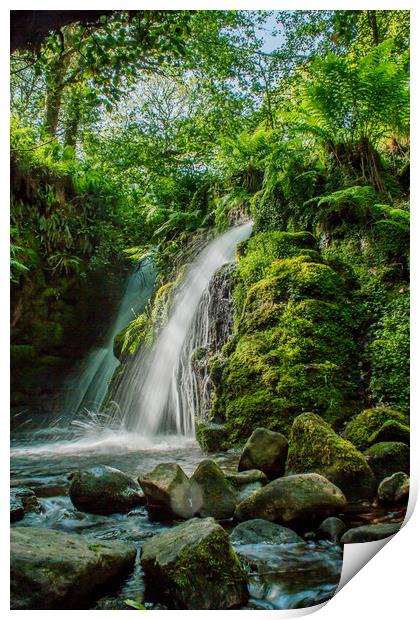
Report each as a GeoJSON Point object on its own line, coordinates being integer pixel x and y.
{"type": "Point", "coordinates": [300, 497]}
{"type": "Point", "coordinates": [104, 490]}
{"type": "Point", "coordinates": [391, 431]}
{"type": "Point", "coordinates": [168, 488]}
{"type": "Point", "coordinates": [193, 566]}
{"type": "Point", "coordinates": [315, 447]}
{"type": "Point", "coordinates": [388, 457]}
{"type": "Point", "coordinates": [212, 495]}
{"type": "Point", "coordinates": [212, 437]}
{"type": "Point", "coordinates": [362, 428]}
{"type": "Point", "coordinates": [394, 489]}
{"type": "Point", "coordinates": [265, 450]}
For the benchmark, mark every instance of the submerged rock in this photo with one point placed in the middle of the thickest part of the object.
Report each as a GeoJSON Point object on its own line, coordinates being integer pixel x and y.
{"type": "Point", "coordinates": [362, 428]}
{"type": "Point", "coordinates": [388, 457]}
{"type": "Point", "coordinates": [315, 447]}
{"type": "Point", "coordinates": [367, 533]}
{"type": "Point", "coordinates": [265, 450]}
{"type": "Point", "coordinates": [104, 490]}
{"type": "Point", "coordinates": [394, 489]}
{"type": "Point", "coordinates": [193, 566]}
{"type": "Point", "coordinates": [296, 497]}
{"type": "Point", "coordinates": [211, 493]}
{"type": "Point", "coordinates": [168, 487]}
{"type": "Point", "coordinates": [259, 531]}
{"type": "Point", "coordinates": [332, 528]}
{"type": "Point", "coordinates": [53, 570]}
{"type": "Point", "coordinates": [22, 500]}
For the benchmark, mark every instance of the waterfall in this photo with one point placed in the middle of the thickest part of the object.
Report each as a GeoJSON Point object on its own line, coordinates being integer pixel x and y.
{"type": "Point", "coordinates": [88, 385]}
{"type": "Point", "coordinates": [157, 393]}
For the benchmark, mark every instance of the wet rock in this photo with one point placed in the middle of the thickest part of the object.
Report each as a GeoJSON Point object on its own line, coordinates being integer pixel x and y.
{"type": "Point", "coordinates": [367, 533]}
{"type": "Point", "coordinates": [53, 570]}
{"type": "Point", "coordinates": [193, 566]}
{"type": "Point", "coordinates": [168, 487]}
{"type": "Point", "coordinates": [248, 476]}
{"type": "Point", "coordinates": [211, 493]}
{"type": "Point", "coordinates": [388, 457]}
{"type": "Point", "coordinates": [394, 489]}
{"type": "Point", "coordinates": [22, 500]}
{"type": "Point", "coordinates": [332, 528]}
{"type": "Point", "coordinates": [104, 490]}
{"type": "Point", "coordinates": [315, 447]}
{"type": "Point", "coordinates": [362, 428]}
{"type": "Point", "coordinates": [259, 531]}
{"type": "Point", "coordinates": [296, 497]}
{"type": "Point", "coordinates": [212, 437]}
{"type": "Point", "coordinates": [265, 450]}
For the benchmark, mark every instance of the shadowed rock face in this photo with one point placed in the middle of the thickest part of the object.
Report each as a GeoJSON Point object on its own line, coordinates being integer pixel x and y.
{"type": "Point", "coordinates": [53, 570]}
{"type": "Point", "coordinates": [168, 487]}
{"type": "Point", "coordinates": [193, 566]}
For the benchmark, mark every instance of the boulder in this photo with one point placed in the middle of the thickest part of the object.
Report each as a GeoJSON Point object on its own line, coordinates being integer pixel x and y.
{"type": "Point", "coordinates": [193, 566]}
{"type": "Point", "coordinates": [167, 487]}
{"type": "Point", "coordinates": [104, 490]}
{"type": "Point", "coordinates": [265, 450]}
{"type": "Point", "coordinates": [293, 498]}
{"type": "Point", "coordinates": [332, 528]}
{"type": "Point", "coordinates": [391, 431]}
{"type": "Point", "coordinates": [367, 533]}
{"type": "Point", "coordinates": [362, 428]}
{"type": "Point", "coordinates": [211, 493]}
{"type": "Point", "coordinates": [22, 500]}
{"type": "Point", "coordinates": [394, 489]}
{"type": "Point", "coordinates": [315, 447]}
{"type": "Point", "coordinates": [247, 482]}
{"type": "Point", "coordinates": [54, 570]}
{"type": "Point", "coordinates": [259, 531]}
{"type": "Point", "coordinates": [388, 457]}
{"type": "Point", "coordinates": [212, 437]}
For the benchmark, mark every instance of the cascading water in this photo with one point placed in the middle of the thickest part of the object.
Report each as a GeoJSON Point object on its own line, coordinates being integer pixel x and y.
{"type": "Point", "coordinates": [156, 392]}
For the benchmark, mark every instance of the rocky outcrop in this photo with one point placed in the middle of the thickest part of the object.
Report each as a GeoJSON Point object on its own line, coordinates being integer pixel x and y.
{"type": "Point", "coordinates": [53, 570]}
{"type": "Point", "coordinates": [367, 533]}
{"type": "Point", "coordinates": [394, 489]}
{"type": "Point", "coordinates": [315, 447]}
{"type": "Point", "coordinates": [293, 498]}
{"type": "Point", "coordinates": [259, 531]}
{"type": "Point", "coordinates": [365, 428]}
{"type": "Point", "coordinates": [168, 488]}
{"type": "Point", "coordinates": [211, 493]}
{"type": "Point", "coordinates": [193, 566]}
{"type": "Point", "coordinates": [22, 500]}
{"type": "Point", "coordinates": [265, 450]}
{"type": "Point", "coordinates": [104, 490]}
{"type": "Point", "coordinates": [388, 457]}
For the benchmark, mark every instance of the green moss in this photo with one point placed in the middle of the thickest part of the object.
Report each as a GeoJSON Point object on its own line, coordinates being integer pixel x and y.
{"type": "Point", "coordinates": [22, 354]}
{"type": "Point", "coordinates": [361, 428]}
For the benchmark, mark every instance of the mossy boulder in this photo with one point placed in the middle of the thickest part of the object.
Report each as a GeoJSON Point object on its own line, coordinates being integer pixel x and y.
{"type": "Point", "coordinates": [391, 431]}
{"type": "Point", "coordinates": [261, 532]}
{"type": "Point", "coordinates": [388, 457]}
{"type": "Point", "coordinates": [104, 490]}
{"type": "Point", "coordinates": [193, 566]}
{"type": "Point", "coordinates": [212, 495]}
{"type": "Point", "coordinates": [168, 488]}
{"type": "Point", "coordinates": [265, 450]}
{"type": "Point", "coordinates": [315, 447]}
{"type": "Point", "coordinates": [300, 497]}
{"type": "Point", "coordinates": [212, 437]}
{"type": "Point", "coordinates": [362, 428]}
{"type": "Point", "coordinates": [56, 570]}
{"type": "Point", "coordinates": [368, 533]}
{"type": "Point", "coordinates": [394, 489]}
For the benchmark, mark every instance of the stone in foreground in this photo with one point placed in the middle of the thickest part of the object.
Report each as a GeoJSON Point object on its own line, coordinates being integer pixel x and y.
{"type": "Point", "coordinates": [394, 489]}
{"type": "Point", "coordinates": [193, 566]}
{"type": "Point", "coordinates": [387, 457]}
{"type": "Point", "coordinates": [265, 450]}
{"type": "Point", "coordinates": [259, 531]}
{"type": "Point", "coordinates": [211, 493]}
{"type": "Point", "coordinates": [53, 570]}
{"type": "Point", "coordinates": [368, 533]}
{"type": "Point", "coordinates": [315, 447]}
{"type": "Point", "coordinates": [293, 498]}
{"type": "Point", "coordinates": [168, 487]}
{"type": "Point", "coordinates": [104, 490]}
{"type": "Point", "coordinates": [22, 500]}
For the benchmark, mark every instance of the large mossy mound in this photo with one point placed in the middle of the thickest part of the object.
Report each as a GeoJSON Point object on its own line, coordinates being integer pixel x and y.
{"type": "Point", "coordinates": [315, 447]}
{"type": "Point", "coordinates": [364, 428]}
{"type": "Point", "coordinates": [293, 348]}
